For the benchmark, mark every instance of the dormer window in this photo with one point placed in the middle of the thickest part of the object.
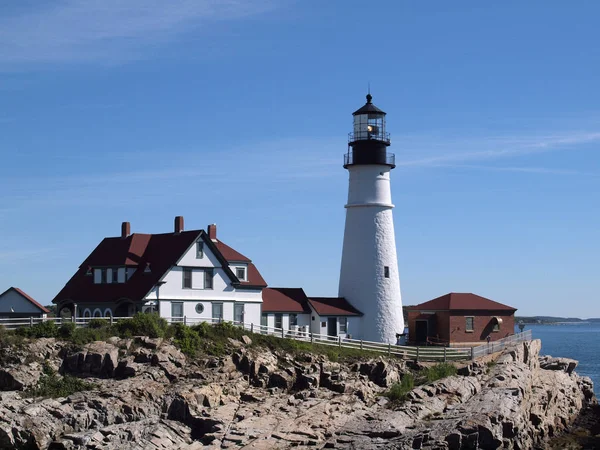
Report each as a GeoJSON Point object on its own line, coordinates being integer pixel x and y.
{"type": "Point", "coordinates": [199, 249]}
{"type": "Point", "coordinates": [98, 276]}
{"type": "Point", "coordinates": [240, 273]}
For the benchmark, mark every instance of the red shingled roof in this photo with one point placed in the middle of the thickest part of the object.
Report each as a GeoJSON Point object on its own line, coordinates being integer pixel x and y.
{"type": "Point", "coordinates": [289, 300]}
{"type": "Point", "coordinates": [333, 306]}
{"type": "Point", "coordinates": [160, 251]}
{"type": "Point", "coordinates": [27, 297]}
{"type": "Point", "coordinates": [461, 301]}
{"type": "Point", "coordinates": [230, 254]}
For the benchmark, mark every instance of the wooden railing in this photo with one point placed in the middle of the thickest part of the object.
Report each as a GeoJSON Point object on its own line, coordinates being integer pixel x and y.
{"type": "Point", "coordinates": [500, 344]}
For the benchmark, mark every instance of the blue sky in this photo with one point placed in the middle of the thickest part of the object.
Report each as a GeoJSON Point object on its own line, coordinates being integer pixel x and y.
{"type": "Point", "coordinates": [237, 112]}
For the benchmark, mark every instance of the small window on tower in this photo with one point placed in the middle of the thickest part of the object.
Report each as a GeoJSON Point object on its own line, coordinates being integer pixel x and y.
{"type": "Point", "coordinates": [386, 271]}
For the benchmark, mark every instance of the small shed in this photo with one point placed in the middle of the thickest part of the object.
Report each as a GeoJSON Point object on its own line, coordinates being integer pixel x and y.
{"type": "Point", "coordinates": [459, 319]}
{"type": "Point", "coordinates": [14, 303]}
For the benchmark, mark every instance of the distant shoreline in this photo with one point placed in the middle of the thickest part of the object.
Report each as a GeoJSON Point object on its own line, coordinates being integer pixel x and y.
{"type": "Point", "coordinates": [548, 320]}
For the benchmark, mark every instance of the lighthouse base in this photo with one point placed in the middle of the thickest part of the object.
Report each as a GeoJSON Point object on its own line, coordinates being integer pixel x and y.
{"type": "Point", "coordinates": [369, 277]}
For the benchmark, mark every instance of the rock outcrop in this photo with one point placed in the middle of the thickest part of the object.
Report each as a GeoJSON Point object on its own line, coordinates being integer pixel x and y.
{"type": "Point", "coordinates": [149, 395]}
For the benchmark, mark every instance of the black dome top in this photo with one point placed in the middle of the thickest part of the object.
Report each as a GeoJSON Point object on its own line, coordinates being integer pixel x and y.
{"type": "Point", "coordinates": [368, 108]}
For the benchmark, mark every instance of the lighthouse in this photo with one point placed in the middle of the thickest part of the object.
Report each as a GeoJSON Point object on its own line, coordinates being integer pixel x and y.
{"type": "Point", "coordinates": [369, 277]}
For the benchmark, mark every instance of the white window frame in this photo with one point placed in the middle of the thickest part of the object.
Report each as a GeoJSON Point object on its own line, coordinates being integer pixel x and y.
{"type": "Point", "coordinates": [295, 316]}
{"type": "Point", "coordinates": [280, 315]}
{"type": "Point", "coordinates": [97, 276]}
{"type": "Point", "coordinates": [210, 271]}
{"type": "Point", "coordinates": [245, 269]}
{"type": "Point", "coordinates": [175, 318]}
{"type": "Point", "coordinates": [213, 311]}
{"type": "Point", "coordinates": [343, 328]}
{"type": "Point", "coordinates": [185, 270]}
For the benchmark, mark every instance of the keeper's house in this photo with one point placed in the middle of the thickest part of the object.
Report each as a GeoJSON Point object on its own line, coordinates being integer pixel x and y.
{"type": "Point", "coordinates": [459, 319]}
{"type": "Point", "coordinates": [177, 274]}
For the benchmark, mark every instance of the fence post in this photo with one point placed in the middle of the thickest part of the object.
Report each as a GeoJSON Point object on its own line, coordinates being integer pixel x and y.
{"type": "Point", "coordinates": [361, 344]}
{"type": "Point", "coordinates": [282, 335]}
{"type": "Point", "coordinates": [31, 321]}
{"type": "Point", "coordinates": [417, 353]}
{"type": "Point", "coordinates": [252, 327]}
{"type": "Point", "coordinates": [73, 319]}
{"type": "Point", "coordinates": [111, 320]}
{"type": "Point", "coordinates": [472, 353]}
{"type": "Point", "coordinates": [311, 337]}
{"type": "Point", "coordinates": [389, 349]}
{"type": "Point", "coordinates": [444, 354]}
{"type": "Point", "coordinates": [339, 341]}
{"type": "Point", "coordinates": [185, 320]}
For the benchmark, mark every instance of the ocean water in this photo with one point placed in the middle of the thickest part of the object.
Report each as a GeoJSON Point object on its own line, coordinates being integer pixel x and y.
{"type": "Point", "coordinates": [575, 341]}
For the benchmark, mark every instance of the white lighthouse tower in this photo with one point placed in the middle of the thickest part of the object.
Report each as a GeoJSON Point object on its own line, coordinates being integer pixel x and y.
{"type": "Point", "coordinates": [369, 277]}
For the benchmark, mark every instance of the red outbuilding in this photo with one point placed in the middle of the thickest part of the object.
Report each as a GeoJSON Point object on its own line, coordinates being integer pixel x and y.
{"type": "Point", "coordinates": [459, 319]}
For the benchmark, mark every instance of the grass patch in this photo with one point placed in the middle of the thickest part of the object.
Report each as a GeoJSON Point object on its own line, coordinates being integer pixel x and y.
{"type": "Point", "coordinates": [196, 340]}
{"type": "Point", "coordinates": [438, 372]}
{"type": "Point", "coordinates": [51, 385]}
{"type": "Point", "coordinates": [399, 391]}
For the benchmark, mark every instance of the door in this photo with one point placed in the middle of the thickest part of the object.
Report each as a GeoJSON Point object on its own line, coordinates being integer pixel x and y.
{"type": "Point", "coordinates": [238, 313]}
{"type": "Point", "coordinates": [421, 331]}
{"type": "Point", "coordinates": [332, 326]}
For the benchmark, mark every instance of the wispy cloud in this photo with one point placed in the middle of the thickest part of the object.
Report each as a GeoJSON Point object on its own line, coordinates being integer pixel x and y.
{"type": "Point", "coordinates": [10, 256]}
{"type": "Point", "coordinates": [489, 148]}
{"type": "Point", "coordinates": [108, 31]}
{"type": "Point", "coordinates": [532, 170]}
{"type": "Point", "coordinates": [267, 166]}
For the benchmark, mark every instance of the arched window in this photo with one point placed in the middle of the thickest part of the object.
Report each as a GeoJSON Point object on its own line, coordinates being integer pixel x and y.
{"type": "Point", "coordinates": [87, 313]}
{"type": "Point", "coordinates": [97, 313]}
{"type": "Point", "coordinates": [107, 312]}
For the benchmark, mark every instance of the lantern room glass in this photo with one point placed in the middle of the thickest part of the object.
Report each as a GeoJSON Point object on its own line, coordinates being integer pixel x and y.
{"type": "Point", "coordinates": [369, 126]}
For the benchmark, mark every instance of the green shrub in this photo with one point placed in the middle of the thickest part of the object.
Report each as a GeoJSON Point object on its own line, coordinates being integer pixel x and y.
{"type": "Point", "coordinates": [187, 339]}
{"type": "Point", "coordinates": [98, 323]}
{"type": "Point", "coordinates": [399, 391]}
{"type": "Point", "coordinates": [142, 324]}
{"type": "Point", "coordinates": [439, 371]}
{"type": "Point", "coordinates": [203, 329]}
{"type": "Point", "coordinates": [82, 336]}
{"type": "Point", "coordinates": [47, 329]}
{"type": "Point", "coordinates": [51, 385]}
{"type": "Point", "coordinates": [66, 330]}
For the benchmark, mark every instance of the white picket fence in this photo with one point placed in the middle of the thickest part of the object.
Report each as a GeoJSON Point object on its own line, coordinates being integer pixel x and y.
{"type": "Point", "coordinates": [427, 353]}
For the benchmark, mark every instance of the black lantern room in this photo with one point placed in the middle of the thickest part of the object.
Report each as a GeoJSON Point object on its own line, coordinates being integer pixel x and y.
{"type": "Point", "coordinates": [368, 143]}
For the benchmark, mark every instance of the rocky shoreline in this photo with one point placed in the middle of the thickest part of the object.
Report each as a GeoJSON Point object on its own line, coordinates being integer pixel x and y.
{"type": "Point", "coordinates": [146, 394]}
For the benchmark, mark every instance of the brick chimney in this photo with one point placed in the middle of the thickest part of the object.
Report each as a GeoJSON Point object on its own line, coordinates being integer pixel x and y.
{"type": "Point", "coordinates": [125, 229]}
{"type": "Point", "coordinates": [212, 231]}
{"type": "Point", "coordinates": [178, 224]}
